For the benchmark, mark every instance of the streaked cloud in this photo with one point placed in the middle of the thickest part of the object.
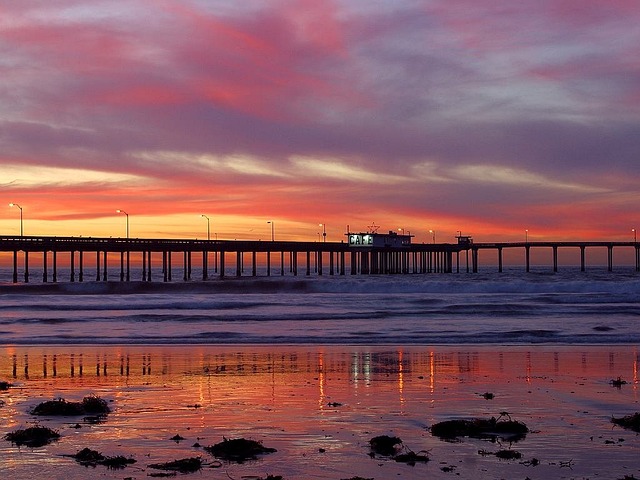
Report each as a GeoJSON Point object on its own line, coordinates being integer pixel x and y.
{"type": "Point", "coordinates": [17, 176]}
{"type": "Point", "coordinates": [342, 171]}
{"type": "Point", "coordinates": [241, 164]}
{"type": "Point", "coordinates": [497, 175]}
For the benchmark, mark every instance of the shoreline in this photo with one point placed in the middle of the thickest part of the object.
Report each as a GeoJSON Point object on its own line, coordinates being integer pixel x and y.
{"type": "Point", "coordinates": [319, 405]}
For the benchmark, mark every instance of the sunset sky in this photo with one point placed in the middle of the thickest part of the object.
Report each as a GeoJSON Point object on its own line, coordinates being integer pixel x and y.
{"type": "Point", "coordinates": [474, 115]}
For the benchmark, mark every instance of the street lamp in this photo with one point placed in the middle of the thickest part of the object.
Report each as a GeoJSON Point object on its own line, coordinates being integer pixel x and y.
{"type": "Point", "coordinates": [401, 230]}
{"type": "Point", "coordinates": [324, 231]}
{"type": "Point", "coordinates": [122, 211]}
{"type": "Point", "coordinates": [208, 226]}
{"type": "Point", "coordinates": [272, 235]}
{"type": "Point", "coordinates": [635, 235]}
{"type": "Point", "coordinates": [21, 224]}
{"type": "Point", "coordinates": [526, 236]}
{"type": "Point", "coordinates": [433, 235]}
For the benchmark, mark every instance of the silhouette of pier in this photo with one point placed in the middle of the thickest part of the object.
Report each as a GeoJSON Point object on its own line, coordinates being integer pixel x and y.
{"type": "Point", "coordinates": [150, 260]}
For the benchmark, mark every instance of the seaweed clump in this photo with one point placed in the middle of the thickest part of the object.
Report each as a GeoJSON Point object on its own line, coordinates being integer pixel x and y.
{"type": "Point", "coordinates": [385, 445]}
{"type": "Point", "coordinates": [388, 446]}
{"type": "Point", "coordinates": [631, 422]}
{"type": "Point", "coordinates": [618, 382]}
{"type": "Point", "coordinates": [411, 458]}
{"type": "Point", "coordinates": [61, 407]}
{"type": "Point", "coordinates": [508, 455]}
{"type": "Point", "coordinates": [185, 465]}
{"type": "Point", "coordinates": [93, 458]}
{"type": "Point", "coordinates": [32, 437]}
{"type": "Point", "coordinates": [238, 450]}
{"type": "Point", "coordinates": [492, 429]}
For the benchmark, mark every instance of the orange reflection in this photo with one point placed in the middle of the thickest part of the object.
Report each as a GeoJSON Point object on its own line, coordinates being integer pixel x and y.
{"type": "Point", "coordinates": [318, 406]}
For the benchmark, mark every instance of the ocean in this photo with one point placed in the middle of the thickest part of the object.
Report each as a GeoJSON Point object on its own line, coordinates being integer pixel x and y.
{"type": "Point", "coordinates": [510, 308]}
{"type": "Point", "coordinates": [316, 367]}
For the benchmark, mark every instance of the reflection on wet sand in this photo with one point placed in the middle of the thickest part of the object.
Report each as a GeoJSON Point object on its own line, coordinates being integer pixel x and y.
{"type": "Point", "coordinates": [319, 406]}
{"type": "Point", "coordinates": [359, 363]}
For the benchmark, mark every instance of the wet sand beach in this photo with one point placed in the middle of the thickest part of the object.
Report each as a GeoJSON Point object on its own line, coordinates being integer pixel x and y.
{"type": "Point", "coordinates": [320, 406]}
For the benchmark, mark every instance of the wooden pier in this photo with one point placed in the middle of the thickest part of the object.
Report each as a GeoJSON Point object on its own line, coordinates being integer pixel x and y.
{"type": "Point", "coordinates": [154, 259]}
{"type": "Point", "coordinates": [554, 246]}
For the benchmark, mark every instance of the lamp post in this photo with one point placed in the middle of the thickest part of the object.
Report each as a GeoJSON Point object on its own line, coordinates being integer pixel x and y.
{"type": "Point", "coordinates": [122, 211]}
{"type": "Point", "coordinates": [526, 236]}
{"type": "Point", "coordinates": [400, 229]}
{"type": "Point", "coordinates": [635, 235]}
{"type": "Point", "coordinates": [21, 224]}
{"type": "Point", "coordinates": [208, 226]}
{"type": "Point", "coordinates": [324, 231]}
{"type": "Point", "coordinates": [272, 225]}
{"type": "Point", "coordinates": [433, 235]}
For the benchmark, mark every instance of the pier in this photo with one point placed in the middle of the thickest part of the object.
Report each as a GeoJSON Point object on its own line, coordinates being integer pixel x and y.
{"type": "Point", "coordinates": [554, 246]}
{"type": "Point", "coordinates": [92, 259]}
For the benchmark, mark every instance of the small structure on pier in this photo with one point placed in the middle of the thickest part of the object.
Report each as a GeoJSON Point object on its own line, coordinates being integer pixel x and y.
{"type": "Point", "coordinates": [464, 240]}
{"type": "Point", "coordinates": [379, 240]}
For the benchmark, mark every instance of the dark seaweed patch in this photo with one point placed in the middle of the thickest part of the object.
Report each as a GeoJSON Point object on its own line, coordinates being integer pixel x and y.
{"type": "Point", "coordinates": [618, 382]}
{"type": "Point", "coordinates": [508, 455]}
{"type": "Point", "coordinates": [185, 465]}
{"type": "Point", "coordinates": [33, 436]}
{"type": "Point", "coordinates": [238, 450]}
{"type": "Point", "coordinates": [385, 445]}
{"type": "Point", "coordinates": [631, 422]}
{"type": "Point", "coordinates": [61, 407]}
{"type": "Point", "coordinates": [480, 428]}
{"type": "Point", "coordinates": [93, 458]}
{"type": "Point", "coordinates": [411, 458]}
